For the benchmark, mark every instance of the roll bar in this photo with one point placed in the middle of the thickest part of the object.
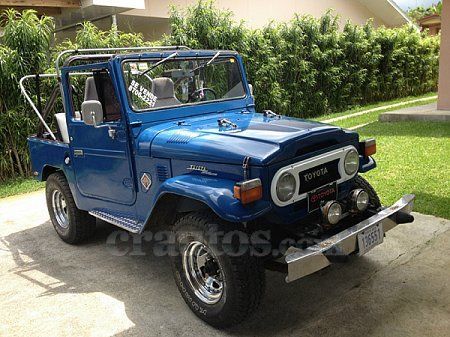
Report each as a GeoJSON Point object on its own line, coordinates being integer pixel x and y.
{"type": "Point", "coordinates": [102, 50]}
{"type": "Point", "coordinates": [84, 53]}
{"type": "Point", "coordinates": [28, 98]}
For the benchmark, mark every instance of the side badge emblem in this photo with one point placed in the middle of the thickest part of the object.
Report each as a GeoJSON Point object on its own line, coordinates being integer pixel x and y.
{"type": "Point", "coordinates": [146, 181]}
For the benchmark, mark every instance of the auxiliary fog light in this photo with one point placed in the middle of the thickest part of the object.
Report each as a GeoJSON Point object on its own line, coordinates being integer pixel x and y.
{"type": "Point", "coordinates": [332, 212]}
{"type": "Point", "coordinates": [359, 200]}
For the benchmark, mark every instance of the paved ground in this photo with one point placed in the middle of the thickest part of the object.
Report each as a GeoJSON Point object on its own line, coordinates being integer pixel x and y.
{"type": "Point", "coordinates": [427, 112]}
{"type": "Point", "coordinates": [49, 288]}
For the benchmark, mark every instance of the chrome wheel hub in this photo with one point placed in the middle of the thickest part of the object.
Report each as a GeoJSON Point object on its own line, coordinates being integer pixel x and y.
{"type": "Point", "coordinates": [203, 272]}
{"type": "Point", "coordinates": [60, 209]}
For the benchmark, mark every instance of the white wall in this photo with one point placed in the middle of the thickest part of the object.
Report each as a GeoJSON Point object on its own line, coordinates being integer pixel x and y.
{"type": "Point", "coordinates": [257, 13]}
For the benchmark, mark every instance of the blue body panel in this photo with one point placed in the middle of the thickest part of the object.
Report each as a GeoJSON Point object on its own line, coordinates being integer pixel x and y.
{"type": "Point", "coordinates": [104, 173]}
{"type": "Point", "coordinates": [217, 194]}
{"type": "Point", "coordinates": [46, 153]}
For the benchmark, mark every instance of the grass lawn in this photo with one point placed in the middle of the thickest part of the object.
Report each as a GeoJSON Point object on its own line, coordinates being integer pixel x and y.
{"type": "Point", "coordinates": [19, 186]}
{"type": "Point", "coordinates": [412, 157]}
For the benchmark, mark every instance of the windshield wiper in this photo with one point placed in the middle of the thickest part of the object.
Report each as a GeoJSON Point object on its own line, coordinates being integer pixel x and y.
{"type": "Point", "coordinates": [216, 55]}
{"type": "Point", "coordinates": [171, 56]}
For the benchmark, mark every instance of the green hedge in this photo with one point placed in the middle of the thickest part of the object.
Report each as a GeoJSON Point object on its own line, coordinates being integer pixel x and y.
{"type": "Point", "coordinates": [308, 67]}
{"type": "Point", "coordinates": [304, 68]}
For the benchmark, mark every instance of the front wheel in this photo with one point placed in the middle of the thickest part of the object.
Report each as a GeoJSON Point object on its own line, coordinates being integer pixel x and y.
{"type": "Point", "coordinates": [374, 200]}
{"type": "Point", "coordinates": [220, 282]}
{"type": "Point", "coordinates": [72, 224]}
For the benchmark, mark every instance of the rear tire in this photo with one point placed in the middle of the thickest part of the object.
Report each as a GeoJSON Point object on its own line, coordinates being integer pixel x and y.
{"type": "Point", "coordinates": [221, 289]}
{"type": "Point", "coordinates": [72, 224]}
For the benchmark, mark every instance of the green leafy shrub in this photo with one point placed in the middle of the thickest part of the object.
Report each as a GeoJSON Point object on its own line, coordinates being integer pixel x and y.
{"type": "Point", "coordinates": [26, 49]}
{"type": "Point", "coordinates": [308, 67]}
{"type": "Point", "coordinates": [420, 12]}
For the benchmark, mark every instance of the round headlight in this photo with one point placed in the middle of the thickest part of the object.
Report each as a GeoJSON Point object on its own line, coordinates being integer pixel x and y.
{"type": "Point", "coordinates": [351, 162]}
{"type": "Point", "coordinates": [286, 186]}
{"type": "Point", "coordinates": [332, 212]}
{"type": "Point", "coordinates": [360, 200]}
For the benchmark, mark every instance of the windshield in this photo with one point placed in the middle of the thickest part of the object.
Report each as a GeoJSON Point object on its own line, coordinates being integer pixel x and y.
{"type": "Point", "coordinates": [174, 82]}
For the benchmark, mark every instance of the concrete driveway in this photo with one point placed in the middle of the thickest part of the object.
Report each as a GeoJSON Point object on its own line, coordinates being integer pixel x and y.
{"type": "Point", "coordinates": [49, 288]}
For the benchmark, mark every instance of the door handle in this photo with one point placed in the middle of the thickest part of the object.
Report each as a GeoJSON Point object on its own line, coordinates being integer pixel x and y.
{"type": "Point", "coordinates": [78, 153]}
{"type": "Point", "coordinates": [112, 133]}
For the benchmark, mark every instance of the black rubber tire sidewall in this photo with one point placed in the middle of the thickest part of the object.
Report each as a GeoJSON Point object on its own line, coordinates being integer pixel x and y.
{"type": "Point", "coordinates": [233, 307]}
{"type": "Point", "coordinates": [81, 224]}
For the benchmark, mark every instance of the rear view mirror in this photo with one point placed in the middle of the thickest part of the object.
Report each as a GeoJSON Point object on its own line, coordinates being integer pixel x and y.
{"type": "Point", "coordinates": [92, 113]}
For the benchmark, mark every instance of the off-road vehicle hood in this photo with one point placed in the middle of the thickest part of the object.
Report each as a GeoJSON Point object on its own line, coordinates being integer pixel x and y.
{"type": "Point", "coordinates": [265, 140]}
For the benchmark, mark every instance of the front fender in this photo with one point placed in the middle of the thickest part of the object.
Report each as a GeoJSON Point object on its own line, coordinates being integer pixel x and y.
{"type": "Point", "coordinates": [217, 194]}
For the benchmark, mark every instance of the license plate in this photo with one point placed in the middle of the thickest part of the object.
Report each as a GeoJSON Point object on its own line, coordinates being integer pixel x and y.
{"type": "Point", "coordinates": [320, 196]}
{"type": "Point", "coordinates": [370, 238]}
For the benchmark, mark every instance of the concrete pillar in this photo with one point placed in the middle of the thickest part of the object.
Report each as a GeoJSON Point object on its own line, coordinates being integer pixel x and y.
{"type": "Point", "coordinates": [444, 59]}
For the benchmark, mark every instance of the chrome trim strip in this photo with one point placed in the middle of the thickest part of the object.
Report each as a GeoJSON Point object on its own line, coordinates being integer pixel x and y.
{"type": "Point", "coordinates": [296, 168]}
{"type": "Point", "coordinates": [302, 262]}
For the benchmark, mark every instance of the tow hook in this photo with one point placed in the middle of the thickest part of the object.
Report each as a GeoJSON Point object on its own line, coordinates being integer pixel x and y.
{"type": "Point", "coordinates": [402, 217]}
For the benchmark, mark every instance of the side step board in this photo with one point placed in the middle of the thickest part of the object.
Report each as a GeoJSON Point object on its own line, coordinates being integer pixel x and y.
{"type": "Point", "coordinates": [119, 220]}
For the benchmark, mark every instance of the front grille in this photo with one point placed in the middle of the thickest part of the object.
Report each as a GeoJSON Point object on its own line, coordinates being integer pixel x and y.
{"type": "Point", "coordinates": [318, 176]}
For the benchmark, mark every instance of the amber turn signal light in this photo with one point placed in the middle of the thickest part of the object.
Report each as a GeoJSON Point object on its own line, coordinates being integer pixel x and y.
{"type": "Point", "coordinates": [369, 147]}
{"type": "Point", "coordinates": [248, 191]}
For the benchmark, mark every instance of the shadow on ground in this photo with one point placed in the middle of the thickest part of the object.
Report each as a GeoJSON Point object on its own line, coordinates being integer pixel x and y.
{"type": "Point", "coordinates": [314, 305]}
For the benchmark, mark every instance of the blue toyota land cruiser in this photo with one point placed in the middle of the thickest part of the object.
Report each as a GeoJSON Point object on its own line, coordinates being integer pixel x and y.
{"type": "Point", "coordinates": [168, 136]}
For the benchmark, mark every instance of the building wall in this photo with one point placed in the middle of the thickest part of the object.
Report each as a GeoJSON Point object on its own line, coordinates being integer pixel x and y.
{"type": "Point", "coordinates": [444, 59]}
{"type": "Point", "coordinates": [151, 28]}
{"type": "Point", "coordinates": [257, 13]}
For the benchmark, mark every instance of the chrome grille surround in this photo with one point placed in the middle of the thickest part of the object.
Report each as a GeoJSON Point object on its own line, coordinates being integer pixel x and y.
{"type": "Point", "coordinates": [298, 167]}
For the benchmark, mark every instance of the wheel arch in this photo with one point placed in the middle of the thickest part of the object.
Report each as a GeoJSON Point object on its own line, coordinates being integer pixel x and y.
{"type": "Point", "coordinates": [47, 170]}
{"type": "Point", "coordinates": [193, 193]}
{"type": "Point", "coordinates": [164, 214]}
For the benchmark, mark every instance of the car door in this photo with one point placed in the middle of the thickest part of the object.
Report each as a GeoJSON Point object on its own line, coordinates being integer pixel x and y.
{"type": "Point", "coordinates": [101, 156]}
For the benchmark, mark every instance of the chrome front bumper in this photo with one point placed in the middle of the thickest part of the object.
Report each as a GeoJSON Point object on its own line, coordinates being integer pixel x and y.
{"type": "Point", "coordinates": [302, 262]}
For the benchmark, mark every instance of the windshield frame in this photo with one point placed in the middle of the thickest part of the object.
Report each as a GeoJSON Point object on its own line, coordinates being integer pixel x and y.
{"type": "Point", "coordinates": [181, 58]}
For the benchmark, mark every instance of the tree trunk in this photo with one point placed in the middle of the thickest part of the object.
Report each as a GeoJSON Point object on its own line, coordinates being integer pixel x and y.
{"type": "Point", "coordinates": [11, 160]}
{"type": "Point", "coordinates": [19, 165]}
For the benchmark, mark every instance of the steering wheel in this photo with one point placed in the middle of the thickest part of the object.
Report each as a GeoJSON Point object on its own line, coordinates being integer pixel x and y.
{"type": "Point", "coordinates": [199, 95]}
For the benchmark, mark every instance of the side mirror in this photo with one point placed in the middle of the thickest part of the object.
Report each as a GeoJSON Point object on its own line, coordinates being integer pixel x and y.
{"type": "Point", "coordinates": [92, 113]}
{"type": "Point", "coordinates": [251, 89]}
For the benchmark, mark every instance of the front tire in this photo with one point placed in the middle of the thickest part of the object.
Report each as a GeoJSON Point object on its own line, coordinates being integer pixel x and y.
{"type": "Point", "coordinates": [374, 200]}
{"type": "Point", "coordinates": [72, 224]}
{"type": "Point", "coordinates": [222, 289]}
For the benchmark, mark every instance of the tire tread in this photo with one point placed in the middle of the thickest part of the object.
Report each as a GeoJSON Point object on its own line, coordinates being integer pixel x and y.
{"type": "Point", "coordinates": [249, 271]}
{"type": "Point", "coordinates": [83, 222]}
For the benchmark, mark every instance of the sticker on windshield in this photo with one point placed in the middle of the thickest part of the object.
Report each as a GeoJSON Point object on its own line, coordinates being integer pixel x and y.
{"type": "Point", "coordinates": [144, 94]}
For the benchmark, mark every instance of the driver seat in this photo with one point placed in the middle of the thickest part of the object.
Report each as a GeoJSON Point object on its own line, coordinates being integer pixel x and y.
{"type": "Point", "coordinates": [163, 89]}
